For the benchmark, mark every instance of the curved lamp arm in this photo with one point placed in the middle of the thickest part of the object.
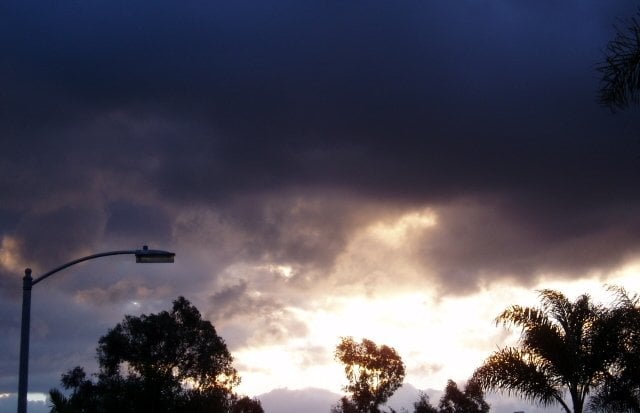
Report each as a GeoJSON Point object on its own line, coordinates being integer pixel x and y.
{"type": "Point", "coordinates": [145, 255]}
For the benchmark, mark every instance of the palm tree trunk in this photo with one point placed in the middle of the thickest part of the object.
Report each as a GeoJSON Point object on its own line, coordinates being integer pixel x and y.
{"type": "Point", "coordinates": [564, 405]}
{"type": "Point", "coordinates": [577, 400]}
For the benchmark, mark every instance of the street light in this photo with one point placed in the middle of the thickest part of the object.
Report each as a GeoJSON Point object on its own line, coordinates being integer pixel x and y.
{"type": "Point", "coordinates": [145, 255]}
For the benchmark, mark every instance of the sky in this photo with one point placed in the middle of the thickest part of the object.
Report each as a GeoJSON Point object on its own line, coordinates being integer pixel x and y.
{"type": "Point", "coordinates": [400, 171]}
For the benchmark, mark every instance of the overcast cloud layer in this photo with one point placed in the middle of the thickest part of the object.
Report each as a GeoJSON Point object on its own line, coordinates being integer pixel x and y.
{"type": "Point", "coordinates": [270, 144]}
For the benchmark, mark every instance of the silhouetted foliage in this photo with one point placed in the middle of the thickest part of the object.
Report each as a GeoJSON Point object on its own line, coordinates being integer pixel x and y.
{"type": "Point", "coordinates": [620, 391]}
{"type": "Point", "coordinates": [423, 405]}
{"type": "Point", "coordinates": [170, 362]}
{"type": "Point", "coordinates": [471, 400]}
{"type": "Point", "coordinates": [247, 405]}
{"type": "Point", "coordinates": [564, 347]}
{"type": "Point", "coordinates": [620, 84]}
{"type": "Point", "coordinates": [344, 405]}
{"type": "Point", "coordinates": [59, 403]}
{"type": "Point", "coordinates": [374, 374]}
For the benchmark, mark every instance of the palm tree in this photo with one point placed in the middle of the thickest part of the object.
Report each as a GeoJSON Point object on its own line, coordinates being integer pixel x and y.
{"type": "Point", "coordinates": [564, 347]}
{"type": "Point", "coordinates": [620, 84]}
{"type": "Point", "coordinates": [59, 403]}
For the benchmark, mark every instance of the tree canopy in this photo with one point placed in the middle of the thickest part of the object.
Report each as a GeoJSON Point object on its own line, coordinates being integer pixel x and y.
{"type": "Point", "coordinates": [454, 400]}
{"type": "Point", "coordinates": [471, 400]}
{"type": "Point", "coordinates": [374, 374]}
{"type": "Point", "coordinates": [174, 361]}
{"type": "Point", "coordinates": [169, 362]}
{"type": "Point", "coordinates": [564, 347]}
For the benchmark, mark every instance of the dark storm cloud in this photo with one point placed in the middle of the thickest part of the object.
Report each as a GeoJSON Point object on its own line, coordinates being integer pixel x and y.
{"type": "Point", "coordinates": [481, 239]}
{"type": "Point", "coordinates": [336, 94]}
{"type": "Point", "coordinates": [50, 238]}
{"type": "Point", "coordinates": [9, 288]}
{"type": "Point", "coordinates": [10, 324]}
{"type": "Point", "coordinates": [420, 102]}
{"type": "Point", "coordinates": [126, 220]}
{"type": "Point", "coordinates": [307, 231]}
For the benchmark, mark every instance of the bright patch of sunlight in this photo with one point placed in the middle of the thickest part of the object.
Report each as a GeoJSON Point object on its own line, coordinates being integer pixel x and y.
{"type": "Point", "coordinates": [9, 254]}
{"type": "Point", "coordinates": [284, 271]}
{"type": "Point", "coordinates": [4, 395]}
{"type": "Point", "coordinates": [281, 270]}
{"type": "Point", "coordinates": [395, 233]}
{"type": "Point", "coordinates": [595, 284]}
{"type": "Point", "coordinates": [37, 397]}
{"type": "Point", "coordinates": [294, 365]}
{"type": "Point", "coordinates": [437, 339]}
{"type": "Point", "coordinates": [627, 277]}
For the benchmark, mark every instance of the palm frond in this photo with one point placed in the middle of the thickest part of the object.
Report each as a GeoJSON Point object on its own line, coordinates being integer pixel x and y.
{"type": "Point", "coordinates": [557, 306]}
{"type": "Point", "coordinates": [518, 372]}
{"type": "Point", "coordinates": [58, 402]}
{"type": "Point", "coordinates": [523, 317]}
{"type": "Point", "coordinates": [620, 82]}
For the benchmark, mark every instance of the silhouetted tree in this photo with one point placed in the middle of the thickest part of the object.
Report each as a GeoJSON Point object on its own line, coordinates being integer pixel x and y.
{"type": "Point", "coordinates": [59, 403]}
{"type": "Point", "coordinates": [564, 347]}
{"type": "Point", "coordinates": [247, 405]}
{"type": "Point", "coordinates": [344, 405]}
{"type": "Point", "coordinates": [374, 374]}
{"type": "Point", "coordinates": [423, 405]}
{"type": "Point", "coordinates": [83, 394]}
{"type": "Point", "coordinates": [170, 362]}
{"type": "Point", "coordinates": [620, 391]}
{"type": "Point", "coordinates": [471, 400]}
{"type": "Point", "coordinates": [620, 84]}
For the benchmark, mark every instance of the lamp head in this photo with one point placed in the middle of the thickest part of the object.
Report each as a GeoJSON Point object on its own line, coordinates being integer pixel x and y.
{"type": "Point", "coordinates": [147, 256]}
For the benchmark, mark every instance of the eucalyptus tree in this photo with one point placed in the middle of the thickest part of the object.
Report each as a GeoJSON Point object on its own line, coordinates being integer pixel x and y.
{"type": "Point", "coordinates": [564, 348]}
{"type": "Point", "coordinates": [374, 373]}
{"type": "Point", "coordinates": [169, 362]}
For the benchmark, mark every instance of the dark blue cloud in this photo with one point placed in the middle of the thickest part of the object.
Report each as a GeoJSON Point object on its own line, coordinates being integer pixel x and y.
{"type": "Point", "coordinates": [421, 101]}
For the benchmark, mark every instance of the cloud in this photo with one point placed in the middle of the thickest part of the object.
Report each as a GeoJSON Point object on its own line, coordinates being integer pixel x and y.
{"type": "Point", "coordinates": [10, 269]}
{"type": "Point", "coordinates": [8, 404]}
{"type": "Point", "coordinates": [477, 241]}
{"type": "Point", "coordinates": [121, 291]}
{"type": "Point", "coordinates": [258, 319]}
{"type": "Point", "coordinates": [424, 369]}
{"type": "Point", "coordinates": [238, 300]}
{"type": "Point", "coordinates": [50, 238]}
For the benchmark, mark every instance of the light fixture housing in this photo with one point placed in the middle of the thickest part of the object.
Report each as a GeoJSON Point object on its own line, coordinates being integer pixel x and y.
{"type": "Point", "coordinates": [147, 256]}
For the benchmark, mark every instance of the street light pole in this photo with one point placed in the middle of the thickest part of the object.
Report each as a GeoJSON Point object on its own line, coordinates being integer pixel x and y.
{"type": "Point", "coordinates": [24, 341]}
{"type": "Point", "coordinates": [145, 255]}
